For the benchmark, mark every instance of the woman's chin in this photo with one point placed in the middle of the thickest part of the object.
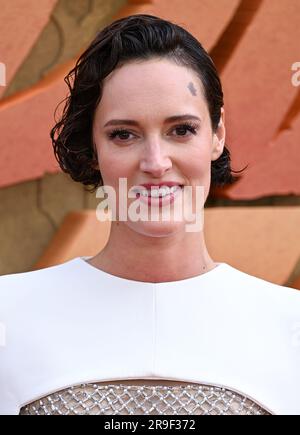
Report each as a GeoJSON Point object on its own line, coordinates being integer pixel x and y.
{"type": "Point", "coordinates": [156, 228]}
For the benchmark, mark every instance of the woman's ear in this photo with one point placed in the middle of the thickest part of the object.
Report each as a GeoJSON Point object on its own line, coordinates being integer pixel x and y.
{"type": "Point", "coordinates": [219, 138]}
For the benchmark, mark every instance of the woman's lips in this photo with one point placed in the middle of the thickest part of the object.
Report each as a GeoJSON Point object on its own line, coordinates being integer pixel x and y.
{"type": "Point", "coordinates": [160, 201]}
{"type": "Point", "coordinates": [162, 184]}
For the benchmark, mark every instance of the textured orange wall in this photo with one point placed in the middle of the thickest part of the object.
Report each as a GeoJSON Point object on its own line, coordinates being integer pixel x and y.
{"type": "Point", "coordinates": [21, 22]}
{"type": "Point", "coordinates": [25, 123]}
{"type": "Point", "coordinates": [254, 44]}
{"type": "Point", "coordinates": [26, 118]}
{"type": "Point", "coordinates": [258, 95]}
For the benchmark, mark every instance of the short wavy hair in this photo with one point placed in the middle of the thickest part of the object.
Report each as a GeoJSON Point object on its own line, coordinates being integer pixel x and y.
{"type": "Point", "coordinates": [135, 37]}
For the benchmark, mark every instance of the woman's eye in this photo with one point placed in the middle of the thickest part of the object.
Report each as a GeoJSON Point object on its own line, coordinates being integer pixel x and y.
{"type": "Point", "coordinates": [182, 128]}
{"type": "Point", "coordinates": [118, 132]}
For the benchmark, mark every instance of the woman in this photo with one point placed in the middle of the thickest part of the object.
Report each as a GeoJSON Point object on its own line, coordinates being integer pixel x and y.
{"type": "Point", "coordinates": [151, 324]}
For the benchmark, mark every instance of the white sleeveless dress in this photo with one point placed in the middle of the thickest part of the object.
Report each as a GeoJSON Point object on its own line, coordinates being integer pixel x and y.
{"type": "Point", "coordinates": [77, 340]}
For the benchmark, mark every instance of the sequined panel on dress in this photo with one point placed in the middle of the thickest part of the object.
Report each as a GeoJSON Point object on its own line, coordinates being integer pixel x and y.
{"type": "Point", "coordinates": [120, 399]}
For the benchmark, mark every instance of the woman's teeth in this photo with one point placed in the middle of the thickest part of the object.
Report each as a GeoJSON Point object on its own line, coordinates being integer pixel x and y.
{"type": "Point", "coordinates": [155, 193]}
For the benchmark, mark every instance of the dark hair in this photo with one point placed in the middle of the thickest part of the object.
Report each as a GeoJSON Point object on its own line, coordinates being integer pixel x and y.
{"type": "Point", "coordinates": [134, 37]}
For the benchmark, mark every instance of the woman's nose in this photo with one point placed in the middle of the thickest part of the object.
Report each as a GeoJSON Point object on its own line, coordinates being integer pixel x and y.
{"type": "Point", "coordinates": [155, 160]}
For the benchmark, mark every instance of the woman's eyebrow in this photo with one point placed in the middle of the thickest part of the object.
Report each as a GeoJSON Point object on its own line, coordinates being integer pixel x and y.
{"type": "Point", "coordinates": [167, 120]}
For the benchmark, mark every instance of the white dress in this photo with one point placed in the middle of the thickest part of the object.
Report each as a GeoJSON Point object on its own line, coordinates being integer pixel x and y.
{"type": "Point", "coordinates": [77, 340]}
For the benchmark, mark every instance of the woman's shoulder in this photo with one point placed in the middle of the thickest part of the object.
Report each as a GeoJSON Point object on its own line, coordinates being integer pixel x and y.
{"type": "Point", "coordinates": [253, 284]}
{"type": "Point", "coordinates": [254, 294]}
{"type": "Point", "coordinates": [17, 286]}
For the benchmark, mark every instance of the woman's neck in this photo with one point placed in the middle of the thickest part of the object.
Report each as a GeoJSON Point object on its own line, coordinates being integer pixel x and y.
{"type": "Point", "coordinates": [137, 257]}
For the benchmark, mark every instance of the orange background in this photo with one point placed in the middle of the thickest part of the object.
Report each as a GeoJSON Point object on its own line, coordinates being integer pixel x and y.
{"type": "Point", "coordinates": [254, 44]}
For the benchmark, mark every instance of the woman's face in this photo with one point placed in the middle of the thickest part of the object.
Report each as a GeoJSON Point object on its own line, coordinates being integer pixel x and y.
{"type": "Point", "coordinates": [152, 149]}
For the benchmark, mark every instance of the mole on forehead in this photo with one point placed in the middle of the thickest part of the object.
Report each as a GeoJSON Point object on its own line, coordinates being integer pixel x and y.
{"type": "Point", "coordinates": [192, 88]}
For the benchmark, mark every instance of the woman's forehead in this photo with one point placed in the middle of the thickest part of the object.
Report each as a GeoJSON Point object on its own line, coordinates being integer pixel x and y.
{"type": "Point", "coordinates": [152, 77]}
{"type": "Point", "coordinates": [151, 92]}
